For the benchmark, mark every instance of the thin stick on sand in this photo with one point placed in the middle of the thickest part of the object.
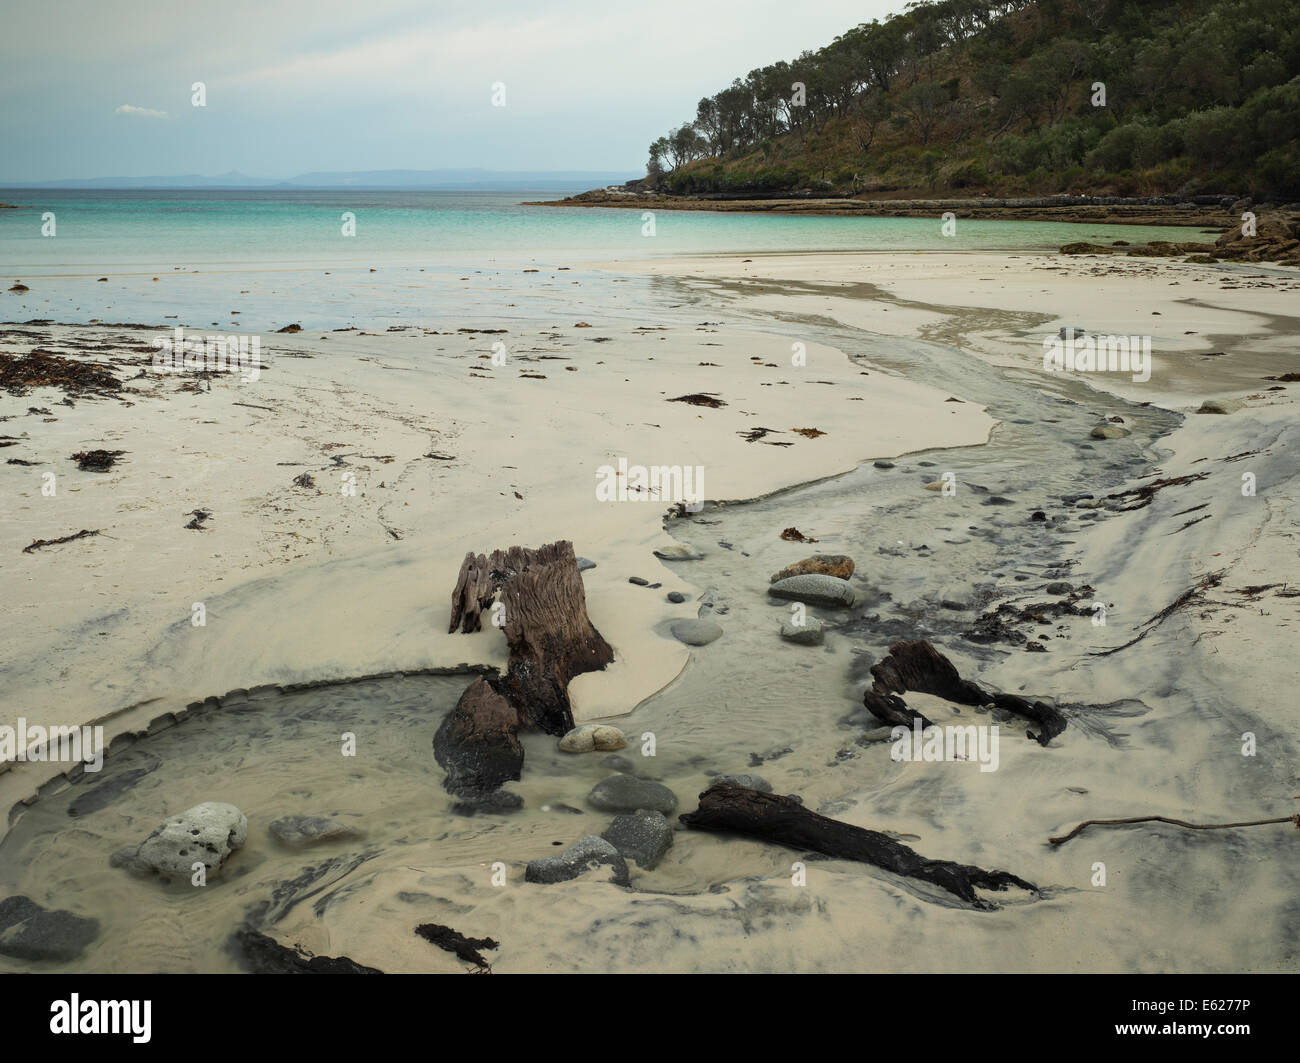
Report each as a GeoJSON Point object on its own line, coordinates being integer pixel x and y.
{"type": "Point", "coordinates": [1176, 822]}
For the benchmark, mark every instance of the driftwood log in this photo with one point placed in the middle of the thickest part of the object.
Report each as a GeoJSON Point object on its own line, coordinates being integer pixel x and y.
{"type": "Point", "coordinates": [551, 639]}
{"type": "Point", "coordinates": [770, 817]}
{"type": "Point", "coordinates": [919, 666]}
{"type": "Point", "coordinates": [545, 621]}
{"type": "Point", "coordinates": [477, 743]}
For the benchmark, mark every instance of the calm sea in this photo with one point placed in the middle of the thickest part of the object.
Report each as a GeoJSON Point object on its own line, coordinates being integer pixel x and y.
{"type": "Point", "coordinates": [273, 248]}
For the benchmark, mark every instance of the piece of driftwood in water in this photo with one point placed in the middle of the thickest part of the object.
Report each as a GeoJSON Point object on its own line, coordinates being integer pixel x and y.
{"type": "Point", "coordinates": [551, 638]}
{"type": "Point", "coordinates": [477, 743]}
{"type": "Point", "coordinates": [919, 666]}
{"type": "Point", "coordinates": [891, 710]}
{"type": "Point", "coordinates": [770, 817]}
{"type": "Point", "coordinates": [453, 941]}
{"type": "Point", "coordinates": [264, 955]}
{"type": "Point", "coordinates": [545, 622]}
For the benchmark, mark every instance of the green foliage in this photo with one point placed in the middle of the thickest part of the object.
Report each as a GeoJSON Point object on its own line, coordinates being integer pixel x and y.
{"type": "Point", "coordinates": [977, 94]}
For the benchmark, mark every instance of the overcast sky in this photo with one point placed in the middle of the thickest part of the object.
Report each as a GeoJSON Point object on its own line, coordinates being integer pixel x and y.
{"type": "Point", "coordinates": [96, 88]}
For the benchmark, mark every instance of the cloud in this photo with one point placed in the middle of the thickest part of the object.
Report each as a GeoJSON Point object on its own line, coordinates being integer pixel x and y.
{"type": "Point", "coordinates": [140, 112]}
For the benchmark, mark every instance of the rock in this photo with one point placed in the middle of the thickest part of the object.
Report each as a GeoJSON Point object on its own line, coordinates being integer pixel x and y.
{"type": "Point", "coordinates": [883, 464]}
{"type": "Point", "coordinates": [638, 581]}
{"type": "Point", "coordinates": [1060, 587]}
{"type": "Point", "coordinates": [585, 563]}
{"type": "Point", "coordinates": [491, 802]}
{"type": "Point", "coordinates": [1108, 431]}
{"type": "Point", "coordinates": [31, 932]}
{"type": "Point", "coordinates": [814, 589]}
{"type": "Point", "coordinates": [997, 500]}
{"type": "Point", "coordinates": [644, 836]}
{"type": "Point", "coordinates": [586, 854]}
{"type": "Point", "coordinates": [298, 832]}
{"type": "Point", "coordinates": [695, 632]}
{"type": "Point", "coordinates": [206, 834]}
{"type": "Point", "coordinates": [593, 736]}
{"type": "Point", "coordinates": [627, 793]}
{"type": "Point", "coordinates": [616, 763]}
{"type": "Point", "coordinates": [1221, 406]}
{"type": "Point", "coordinates": [678, 552]}
{"type": "Point", "coordinates": [676, 597]}
{"type": "Point", "coordinates": [838, 565]}
{"type": "Point", "coordinates": [934, 485]}
{"type": "Point", "coordinates": [810, 633]}
{"type": "Point", "coordinates": [747, 780]}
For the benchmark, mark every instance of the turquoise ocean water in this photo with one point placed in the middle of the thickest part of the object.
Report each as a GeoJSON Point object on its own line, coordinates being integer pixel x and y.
{"type": "Point", "coordinates": [272, 250]}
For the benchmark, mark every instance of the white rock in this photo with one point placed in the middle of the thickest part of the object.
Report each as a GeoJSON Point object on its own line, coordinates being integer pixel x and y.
{"type": "Point", "coordinates": [592, 736]}
{"type": "Point", "coordinates": [206, 834]}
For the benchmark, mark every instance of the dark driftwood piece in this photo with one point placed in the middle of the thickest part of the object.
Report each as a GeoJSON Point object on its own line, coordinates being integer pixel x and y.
{"type": "Point", "coordinates": [770, 817]}
{"type": "Point", "coordinates": [546, 625]}
{"type": "Point", "coordinates": [892, 710]}
{"type": "Point", "coordinates": [453, 941]}
{"type": "Point", "coordinates": [264, 955]}
{"type": "Point", "coordinates": [477, 742]}
{"type": "Point", "coordinates": [551, 638]}
{"type": "Point", "coordinates": [919, 666]}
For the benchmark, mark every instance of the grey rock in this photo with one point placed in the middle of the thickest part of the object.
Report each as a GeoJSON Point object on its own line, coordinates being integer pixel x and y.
{"type": "Point", "coordinates": [810, 633]}
{"type": "Point", "coordinates": [206, 834]}
{"type": "Point", "coordinates": [586, 854]}
{"type": "Point", "coordinates": [676, 597]}
{"type": "Point", "coordinates": [30, 932]}
{"type": "Point", "coordinates": [627, 793]}
{"type": "Point", "coordinates": [638, 581]}
{"type": "Point", "coordinates": [1060, 587]}
{"type": "Point", "coordinates": [298, 832]}
{"type": "Point", "coordinates": [695, 632]}
{"type": "Point", "coordinates": [746, 779]}
{"type": "Point", "coordinates": [1221, 406]}
{"type": "Point", "coordinates": [997, 500]}
{"type": "Point", "coordinates": [585, 563]}
{"type": "Point", "coordinates": [678, 552]}
{"type": "Point", "coordinates": [618, 762]}
{"type": "Point", "coordinates": [814, 589]}
{"type": "Point", "coordinates": [883, 464]}
{"type": "Point", "coordinates": [644, 836]}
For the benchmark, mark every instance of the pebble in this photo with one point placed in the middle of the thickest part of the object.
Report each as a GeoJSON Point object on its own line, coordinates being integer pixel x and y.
{"type": "Point", "coordinates": [644, 836]}
{"type": "Point", "coordinates": [300, 831]}
{"type": "Point", "coordinates": [810, 633]}
{"type": "Point", "coordinates": [627, 793]}
{"type": "Point", "coordinates": [207, 833]}
{"type": "Point", "coordinates": [593, 736]}
{"type": "Point", "coordinates": [586, 854]}
{"type": "Point", "coordinates": [695, 632]}
{"type": "Point", "coordinates": [815, 590]}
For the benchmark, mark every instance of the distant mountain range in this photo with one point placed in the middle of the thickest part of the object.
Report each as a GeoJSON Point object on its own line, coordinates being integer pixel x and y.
{"type": "Point", "coordinates": [441, 180]}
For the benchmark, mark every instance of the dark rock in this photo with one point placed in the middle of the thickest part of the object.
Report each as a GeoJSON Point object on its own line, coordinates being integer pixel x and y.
{"type": "Point", "coordinates": [264, 955]}
{"type": "Point", "coordinates": [627, 793]}
{"type": "Point", "coordinates": [31, 932]}
{"type": "Point", "coordinates": [586, 854]}
{"type": "Point", "coordinates": [643, 836]}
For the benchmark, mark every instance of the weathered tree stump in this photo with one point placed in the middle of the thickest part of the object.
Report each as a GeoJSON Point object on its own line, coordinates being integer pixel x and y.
{"type": "Point", "coordinates": [477, 743]}
{"type": "Point", "coordinates": [770, 817]}
{"type": "Point", "coordinates": [546, 625]}
{"type": "Point", "coordinates": [919, 666]}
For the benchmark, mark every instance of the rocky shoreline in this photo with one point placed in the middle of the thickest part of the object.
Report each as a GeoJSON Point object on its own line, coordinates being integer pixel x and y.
{"type": "Point", "coordinates": [1211, 211]}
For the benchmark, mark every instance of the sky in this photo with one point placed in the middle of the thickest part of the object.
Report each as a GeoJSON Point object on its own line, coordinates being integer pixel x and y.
{"type": "Point", "coordinates": [103, 88]}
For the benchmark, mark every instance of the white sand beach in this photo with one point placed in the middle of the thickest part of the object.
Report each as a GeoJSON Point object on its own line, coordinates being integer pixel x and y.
{"type": "Point", "coordinates": [906, 354]}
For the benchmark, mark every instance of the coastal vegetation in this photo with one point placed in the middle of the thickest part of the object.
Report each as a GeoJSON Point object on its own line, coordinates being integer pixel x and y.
{"type": "Point", "coordinates": [1016, 97]}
